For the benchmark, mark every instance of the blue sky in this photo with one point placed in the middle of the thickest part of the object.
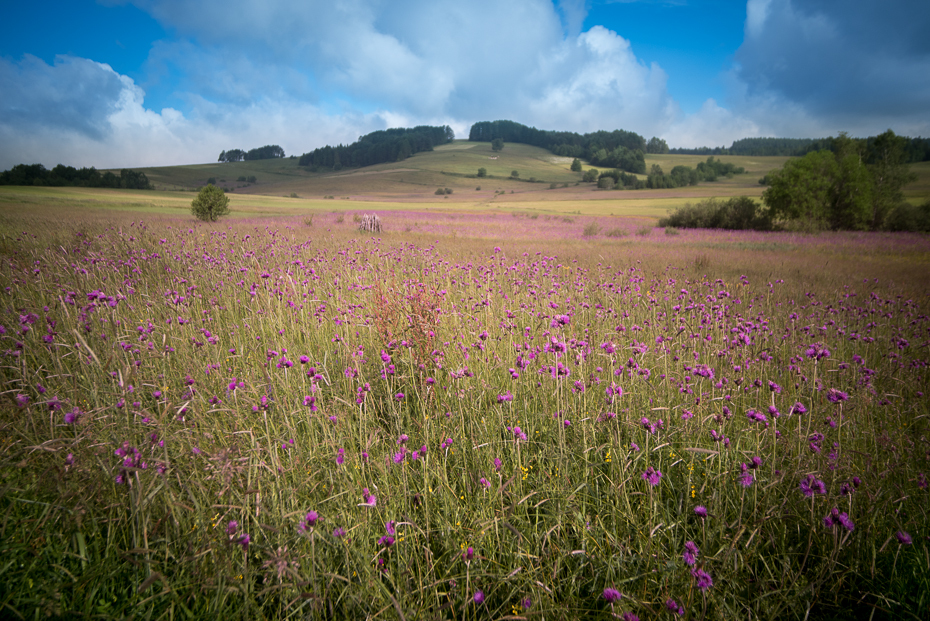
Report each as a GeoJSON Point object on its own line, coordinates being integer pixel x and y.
{"type": "Point", "coordinates": [159, 82]}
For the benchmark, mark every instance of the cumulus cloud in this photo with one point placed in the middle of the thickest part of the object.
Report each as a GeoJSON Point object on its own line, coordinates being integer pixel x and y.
{"type": "Point", "coordinates": [311, 73]}
{"type": "Point", "coordinates": [320, 72]}
{"type": "Point", "coordinates": [111, 127]}
{"type": "Point", "coordinates": [860, 65]}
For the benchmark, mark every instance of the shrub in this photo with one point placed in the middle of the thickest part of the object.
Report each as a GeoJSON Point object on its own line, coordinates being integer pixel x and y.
{"type": "Point", "coordinates": [590, 176]}
{"type": "Point", "coordinates": [736, 213]}
{"type": "Point", "coordinates": [448, 190]}
{"type": "Point", "coordinates": [644, 231]}
{"type": "Point", "coordinates": [294, 195]}
{"type": "Point", "coordinates": [616, 232]}
{"type": "Point", "coordinates": [440, 191]}
{"type": "Point", "coordinates": [478, 189]}
{"type": "Point", "coordinates": [907, 217]}
{"type": "Point", "coordinates": [515, 173]}
{"type": "Point", "coordinates": [605, 183]}
{"type": "Point", "coordinates": [482, 172]}
{"type": "Point", "coordinates": [210, 204]}
{"type": "Point", "coordinates": [671, 230]}
{"type": "Point", "coordinates": [591, 229]}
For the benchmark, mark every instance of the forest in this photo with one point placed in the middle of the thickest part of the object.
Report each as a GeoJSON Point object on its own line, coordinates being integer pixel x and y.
{"type": "Point", "coordinates": [914, 149]}
{"type": "Point", "coordinates": [617, 149]}
{"type": "Point", "coordinates": [389, 145]}
{"type": "Point", "coordinates": [269, 151]}
{"type": "Point", "coordinates": [37, 174]}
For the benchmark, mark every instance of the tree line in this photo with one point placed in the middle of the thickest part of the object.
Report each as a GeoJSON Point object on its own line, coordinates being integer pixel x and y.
{"type": "Point", "coordinates": [617, 149]}
{"type": "Point", "coordinates": [914, 149]}
{"type": "Point", "coordinates": [388, 145]}
{"type": "Point", "coordinates": [268, 152]}
{"type": "Point", "coordinates": [857, 184]}
{"type": "Point", "coordinates": [69, 176]}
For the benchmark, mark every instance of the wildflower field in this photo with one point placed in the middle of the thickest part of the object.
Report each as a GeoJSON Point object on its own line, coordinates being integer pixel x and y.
{"type": "Point", "coordinates": [263, 419]}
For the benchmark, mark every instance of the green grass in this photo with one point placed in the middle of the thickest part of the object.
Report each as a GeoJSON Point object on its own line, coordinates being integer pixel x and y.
{"type": "Point", "coordinates": [415, 180]}
{"type": "Point", "coordinates": [137, 330]}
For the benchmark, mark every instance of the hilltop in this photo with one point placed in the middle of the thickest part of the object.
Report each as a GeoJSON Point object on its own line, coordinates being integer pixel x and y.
{"type": "Point", "coordinates": [455, 166]}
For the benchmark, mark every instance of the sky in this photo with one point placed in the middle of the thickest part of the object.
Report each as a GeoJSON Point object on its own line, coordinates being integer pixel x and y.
{"type": "Point", "coordinates": [129, 83]}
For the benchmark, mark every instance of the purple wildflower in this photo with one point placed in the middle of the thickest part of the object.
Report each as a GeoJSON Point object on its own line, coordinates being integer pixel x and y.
{"type": "Point", "coordinates": [478, 596]}
{"type": "Point", "coordinates": [836, 396]}
{"type": "Point", "coordinates": [612, 595]}
{"type": "Point", "coordinates": [700, 511]}
{"type": "Point", "coordinates": [309, 521]}
{"type": "Point", "coordinates": [691, 553]}
{"type": "Point", "coordinates": [673, 607]}
{"type": "Point", "coordinates": [652, 476]}
{"type": "Point", "coordinates": [704, 581]}
{"type": "Point", "coordinates": [812, 485]}
{"type": "Point", "coordinates": [904, 538]}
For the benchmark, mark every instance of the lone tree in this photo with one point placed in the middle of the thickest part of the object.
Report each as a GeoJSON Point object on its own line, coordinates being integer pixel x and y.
{"type": "Point", "coordinates": [576, 165]}
{"type": "Point", "coordinates": [482, 172]}
{"type": "Point", "coordinates": [210, 204]}
{"type": "Point", "coordinates": [497, 144]}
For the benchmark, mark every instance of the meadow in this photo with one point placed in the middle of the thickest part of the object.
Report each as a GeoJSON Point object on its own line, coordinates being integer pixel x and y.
{"type": "Point", "coordinates": [503, 410]}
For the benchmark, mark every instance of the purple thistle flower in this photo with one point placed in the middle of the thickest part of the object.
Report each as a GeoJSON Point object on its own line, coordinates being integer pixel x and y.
{"type": "Point", "coordinates": [468, 554]}
{"type": "Point", "coordinates": [812, 485]}
{"type": "Point", "coordinates": [673, 607]}
{"type": "Point", "coordinates": [704, 581]}
{"type": "Point", "coordinates": [700, 511]}
{"type": "Point", "coordinates": [798, 408]}
{"type": "Point", "coordinates": [836, 396]}
{"type": "Point", "coordinates": [691, 553]}
{"type": "Point", "coordinates": [232, 527]}
{"type": "Point", "coordinates": [309, 521]}
{"type": "Point", "coordinates": [630, 616]}
{"type": "Point", "coordinates": [652, 476]}
{"type": "Point", "coordinates": [387, 541]}
{"type": "Point", "coordinates": [612, 595]}
{"type": "Point", "coordinates": [904, 538]}
{"type": "Point", "coordinates": [478, 597]}
{"type": "Point", "coordinates": [339, 532]}
{"type": "Point", "coordinates": [22, 400]}
{"type": "Point", "coordinates": [399, 396]}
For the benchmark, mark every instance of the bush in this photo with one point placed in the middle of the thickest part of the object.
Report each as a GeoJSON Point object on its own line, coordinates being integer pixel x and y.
{"type": "Point", "coordinates": [616, 232]}
{"type": "Point", "coordinates": [736, 213]}
{"type": "Point", "coordinates": [591, 229]}
{"type": "Point", "coordinates": [590, 176]}
{"type": "Point", "coordinates": [515, 173]}
{"type": "Point", "coordinates": [210, 204]}
{"type": "Point", "coordinates": [482, 172]}
{"type": "Point", "coordinates": [644, 231]}
{"type": "Point", "coordinates": [907, 217]}
{"type": "Point", "coordinates": [605, 183]}
{"type": "Point", "coordinates": [440, 191]}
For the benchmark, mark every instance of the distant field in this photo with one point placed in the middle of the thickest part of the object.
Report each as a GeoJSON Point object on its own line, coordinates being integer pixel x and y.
{"type": "Point", "coordinates": [455, 166]}
{"type": "Point", "coordinates": [411, 185]}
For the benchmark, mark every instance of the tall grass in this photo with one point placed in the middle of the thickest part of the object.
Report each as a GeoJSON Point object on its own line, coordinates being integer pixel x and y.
{"type": "Point", "coordinates": [236, 421]}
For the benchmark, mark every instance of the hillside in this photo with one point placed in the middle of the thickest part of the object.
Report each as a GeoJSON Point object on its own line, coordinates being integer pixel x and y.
{"type": "Point", "coordinates": [453, 166]}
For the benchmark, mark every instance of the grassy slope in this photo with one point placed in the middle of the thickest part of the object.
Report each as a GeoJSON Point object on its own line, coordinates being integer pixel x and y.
{"type": "Point", "coordinates": [414, 181]}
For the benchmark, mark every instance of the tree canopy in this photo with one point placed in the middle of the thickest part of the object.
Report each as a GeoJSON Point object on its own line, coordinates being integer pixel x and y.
{"type": "Point", "coordinates": [856, 185]}
{"type": "Point", "coordinates": [269, 151]}
{"type": "Point", "coordinates": [616, 149]}
{"type": "Point", "coordinates": [389, 145]}
{"type": "Point", "coordinates": [211, 203]}
{"type": "Point", "coordinates": [37, 174]}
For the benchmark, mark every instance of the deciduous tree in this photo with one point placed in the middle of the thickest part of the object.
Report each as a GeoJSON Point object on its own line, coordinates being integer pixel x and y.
{"type": "Point", "coordinates": [210, 204]}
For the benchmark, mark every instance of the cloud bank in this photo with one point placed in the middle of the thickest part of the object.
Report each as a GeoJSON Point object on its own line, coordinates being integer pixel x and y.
{"type": "Point", "coordinates": [306, 74]}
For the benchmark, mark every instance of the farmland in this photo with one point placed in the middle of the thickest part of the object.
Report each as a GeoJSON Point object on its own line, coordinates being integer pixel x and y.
{"type": "Point", "coordinates": [506, 405]}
